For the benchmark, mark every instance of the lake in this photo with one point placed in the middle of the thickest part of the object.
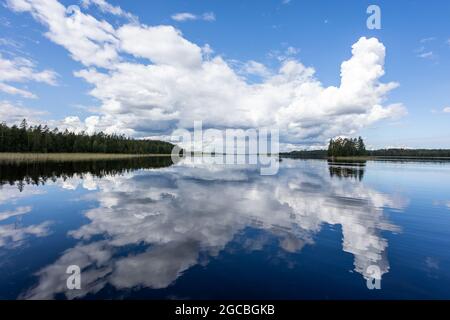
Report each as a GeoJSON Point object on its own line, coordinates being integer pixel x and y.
{"type": "Point", "coordinates": [146, 228]}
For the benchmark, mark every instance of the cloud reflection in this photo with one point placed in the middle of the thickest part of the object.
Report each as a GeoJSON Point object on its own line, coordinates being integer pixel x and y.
{"type": "Point", "coordinates": [16, 234]}
{"type": "Point", "coordinates": [177, 214]}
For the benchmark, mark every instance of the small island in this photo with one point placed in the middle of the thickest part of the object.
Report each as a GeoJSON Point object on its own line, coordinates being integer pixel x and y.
{"type": "Point", "coordinates": [355, 149]}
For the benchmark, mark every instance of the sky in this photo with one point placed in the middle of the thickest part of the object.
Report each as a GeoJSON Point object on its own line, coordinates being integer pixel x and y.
{"type": "Point", "coordinates": [312, 69]}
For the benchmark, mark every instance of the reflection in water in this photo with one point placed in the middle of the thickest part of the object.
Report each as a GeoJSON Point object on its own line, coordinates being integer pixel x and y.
{"type": "Point", "coordinates": [65, 174]}
{"type": "Point", "coordinates": [36, 173]}
{"type": "Point", "coordinates": [14, 235]}
{"type": "Point", "coordinates": [347, 169]}
{"type": "Point", "coordinates": [171, 219]}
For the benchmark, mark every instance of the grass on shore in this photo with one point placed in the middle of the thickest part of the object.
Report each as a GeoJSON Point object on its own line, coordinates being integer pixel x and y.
{"type": "Point", "coordinates": [31, 157]}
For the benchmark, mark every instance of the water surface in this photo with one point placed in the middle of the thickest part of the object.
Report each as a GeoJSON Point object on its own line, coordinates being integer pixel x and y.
{"type": "Point", "coordinates": [147, 228]}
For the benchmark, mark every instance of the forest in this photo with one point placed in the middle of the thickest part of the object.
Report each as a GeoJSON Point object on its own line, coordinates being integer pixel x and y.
{"type": "Point", "coordinates": [346, 147]}
{"type": "Point", "coordinates": [38, 138]}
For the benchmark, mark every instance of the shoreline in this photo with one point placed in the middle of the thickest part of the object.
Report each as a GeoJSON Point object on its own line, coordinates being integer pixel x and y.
{"type": "Point", "coordinates": [27, 156]}
{"type": "Point", "coordinates": [369, 158]}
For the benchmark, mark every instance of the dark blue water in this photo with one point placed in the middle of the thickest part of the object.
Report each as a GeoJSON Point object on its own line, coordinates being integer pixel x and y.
{"type": "Point", "coordinates": [198, 231]}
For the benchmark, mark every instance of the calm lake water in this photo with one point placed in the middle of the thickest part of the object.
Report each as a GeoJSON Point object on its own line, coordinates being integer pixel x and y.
{"type": "Point", "coordinates": [147, 228]}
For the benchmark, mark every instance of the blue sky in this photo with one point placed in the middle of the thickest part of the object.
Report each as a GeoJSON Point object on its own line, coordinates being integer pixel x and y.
{"type": "Point", "coordinates": [317, 34]}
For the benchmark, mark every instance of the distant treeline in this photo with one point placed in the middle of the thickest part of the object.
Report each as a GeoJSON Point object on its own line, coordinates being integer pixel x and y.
{"type": "Point", "coordinates": [336, 148]}
{"type": "Point", "coordinates": [356, 148]}
{"type": "Point", "coordinates": [305, 154]}
{"type": "Point", "coordinates": [24, 138]}
{"type": "Point", "coordinates": [431, 153]}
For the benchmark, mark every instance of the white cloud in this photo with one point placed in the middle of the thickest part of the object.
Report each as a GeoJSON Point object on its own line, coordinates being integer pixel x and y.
{"type": "Point", "coordinates": [207, 51]}
{"type": "Point", "coordinates": [286, 54]}
{"type": "Point", "coordinates": [5, 22]}
{"type": "Point", "coordinates": [429, 39]}
{"type": "Point", "coordinates": [22, 70]}
{"type": "Point", "coordinates": [256, 68]}
{"type": "Point", "coordinates": [89, 41]}
{"type": "Point", "coordinates": [181, 82]}
{"type": "Point", "coordinates": [183, 16]}
{"type": "Point", "coordinates": [16, 212]}
{"type": "Point", "coordinates": [12, 114]}
{"type": "Point", "coordinates": [209, 16]}
{"type": "Point", "coordinates": [292, 51]}
{"type": "Point", "coordinates": [7, 42]}
{"type": "Point", "coordinates": [423, 51]}
{"type": "Point", "coordinates": [446, 110]}
{"type": "Point", "coordinates": [12, 236]}
{"type": "Point", "coordinates": [426, 55]}
{"type": "Point", "coordinates": [108, 8]}
{"type": "Point", "coordinates": [169, 96]}
{"type": "Point", "coordinates": [163, 45]}
{"type": "Point", "coordinates": [16, 91]}
{"type": "Point", "coordinates": [187, 16]}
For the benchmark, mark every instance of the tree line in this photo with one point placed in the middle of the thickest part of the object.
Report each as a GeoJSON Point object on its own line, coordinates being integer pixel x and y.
{"type": "Point", "coordinates": [346, 147]}
{"type": "Point", "coordinates": [355, 147]}
{"type": "Point", "coordinates": [305, 154]}
{"type": "Point", "coordinates": [412, 153]}
{"type": "Point", "coordinates": [24, 138]}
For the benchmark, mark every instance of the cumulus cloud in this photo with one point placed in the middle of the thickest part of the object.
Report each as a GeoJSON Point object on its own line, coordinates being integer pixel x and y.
{"type": "Point", "coordinates": [173, 81]}
{"type": "Point", "coordinates": [17, 70]}
{"type": "Point", "coordinates": [162, 45]}
{"type": "Point", "coordinates": [186, 16]}
{"type": "Point", "coordinates": [446, 110]}
{"type": "Point", "coordinates": [172, 93]}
